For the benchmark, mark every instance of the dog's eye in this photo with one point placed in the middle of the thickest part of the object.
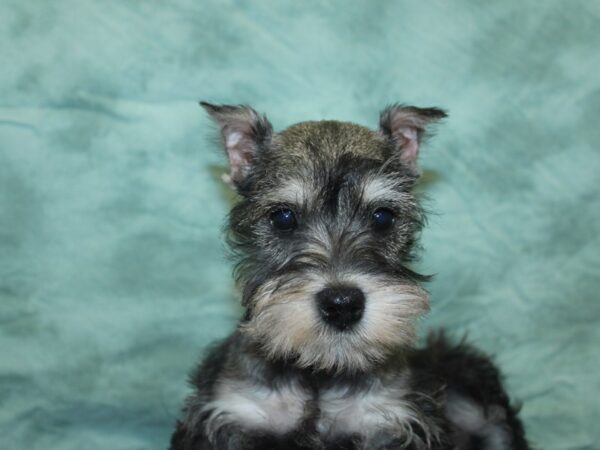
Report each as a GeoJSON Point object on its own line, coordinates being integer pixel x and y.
{"type": "Point", "coordinates": [283, 219]}
{"type": "Point", "coordinates": [383, 219]}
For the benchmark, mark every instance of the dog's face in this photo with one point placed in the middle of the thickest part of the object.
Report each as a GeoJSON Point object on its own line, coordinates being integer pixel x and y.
{"type": "Point", "coordinates": [326, 223]}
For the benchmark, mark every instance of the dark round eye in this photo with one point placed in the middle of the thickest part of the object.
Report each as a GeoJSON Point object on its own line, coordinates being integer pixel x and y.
{"type": "Point", "coordinates": [383, 219]}
{"type": "Point", "coordinates": [283, 219]}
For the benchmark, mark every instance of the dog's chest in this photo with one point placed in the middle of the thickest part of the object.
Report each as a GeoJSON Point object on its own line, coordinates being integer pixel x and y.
{"type": "Point", "coordinates": [334, 411]}
{"type": "Point", "coordinates": [258, 407]}
{"type": "Point", "coordinates": [343, 410]}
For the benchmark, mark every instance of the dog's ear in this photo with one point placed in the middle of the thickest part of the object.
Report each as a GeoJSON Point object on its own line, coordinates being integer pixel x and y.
{"type": "Point", "coordinates": [245, 133]}
{"type": "Point", "coordinates": [405, 126]}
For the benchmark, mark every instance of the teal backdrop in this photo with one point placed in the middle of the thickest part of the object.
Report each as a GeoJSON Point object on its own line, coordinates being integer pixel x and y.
{"type": "Point", "coordinates": [113, 277]}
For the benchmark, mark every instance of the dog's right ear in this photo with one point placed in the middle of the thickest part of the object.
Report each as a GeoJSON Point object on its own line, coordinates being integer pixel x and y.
{"type": "Point", "coordinates": [405, 126]}
{"type": "Point", "coordinates": [245, 133]}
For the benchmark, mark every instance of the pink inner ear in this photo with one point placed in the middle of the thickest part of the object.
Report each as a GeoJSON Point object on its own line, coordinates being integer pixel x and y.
{"type": "Point", "coordinates": [408, 138]}
{"type": "Point", "coordinates": [239, 151]}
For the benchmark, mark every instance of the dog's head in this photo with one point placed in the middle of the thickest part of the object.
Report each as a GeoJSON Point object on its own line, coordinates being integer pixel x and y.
{"type": "Point", "coordinates": [325, 226]}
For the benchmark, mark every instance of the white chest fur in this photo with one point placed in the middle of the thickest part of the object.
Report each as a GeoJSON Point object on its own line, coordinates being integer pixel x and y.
{"type": "Point", "coordinates": [258, 407]}
{"type": "Point", "coordinates": [344, 411]}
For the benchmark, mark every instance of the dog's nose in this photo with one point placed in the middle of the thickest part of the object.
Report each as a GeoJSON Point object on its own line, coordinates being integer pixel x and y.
{"type": "Point", "coordinates": [341, 307]}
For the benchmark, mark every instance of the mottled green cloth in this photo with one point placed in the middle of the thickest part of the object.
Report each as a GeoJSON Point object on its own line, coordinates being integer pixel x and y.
{"type": "Point", "coordinates": [113, 275]}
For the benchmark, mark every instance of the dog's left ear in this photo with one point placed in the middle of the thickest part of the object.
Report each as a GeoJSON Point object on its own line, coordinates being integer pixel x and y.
{"type": "Point", "coordinates": [405, 126]}
{"type": "Point", "coordinates": [245, 133]}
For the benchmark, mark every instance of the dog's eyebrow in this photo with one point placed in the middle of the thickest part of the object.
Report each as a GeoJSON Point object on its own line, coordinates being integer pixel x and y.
{"type": "Point", "coordinates": [293, 191]}
{"type": "Point", "coordinates": [379, 188]}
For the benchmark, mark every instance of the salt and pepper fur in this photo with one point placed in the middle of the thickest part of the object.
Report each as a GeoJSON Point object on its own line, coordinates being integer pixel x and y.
{"type": "Point", "coordinates": [285, 379]}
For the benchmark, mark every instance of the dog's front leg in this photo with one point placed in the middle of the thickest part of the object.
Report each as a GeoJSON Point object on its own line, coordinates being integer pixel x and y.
{"type": "Point", "coordinates": [404, 441]}
{"type": "Point", "coordinates": [229, 436]}
{"type": "Point", "coordinates": [234, 437]}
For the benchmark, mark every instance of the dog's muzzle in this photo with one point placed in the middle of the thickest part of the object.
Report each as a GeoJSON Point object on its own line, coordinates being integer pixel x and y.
{"type": "Point", "coordinates": [341, 307]}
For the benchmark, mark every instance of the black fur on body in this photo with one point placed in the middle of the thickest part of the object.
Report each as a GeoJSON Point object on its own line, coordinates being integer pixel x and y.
{"type": "Point", "coordinates": [324, 357]}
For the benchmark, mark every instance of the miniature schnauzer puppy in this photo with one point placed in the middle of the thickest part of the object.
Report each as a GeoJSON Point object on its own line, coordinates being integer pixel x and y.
{"type": "Point", "coordinates": [324, 357]}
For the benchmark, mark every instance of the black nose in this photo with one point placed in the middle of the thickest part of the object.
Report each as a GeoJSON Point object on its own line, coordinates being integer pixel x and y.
{"type": "Point", "coordinates": [341, 307]}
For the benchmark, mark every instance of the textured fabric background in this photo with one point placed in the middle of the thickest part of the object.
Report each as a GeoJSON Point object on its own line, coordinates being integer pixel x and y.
{"type": "Point", "coordinates": [112, 271]}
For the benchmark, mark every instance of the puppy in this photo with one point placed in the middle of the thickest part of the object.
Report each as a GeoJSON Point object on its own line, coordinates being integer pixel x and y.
{"type": "Point", "coordinates": [324, 357]}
